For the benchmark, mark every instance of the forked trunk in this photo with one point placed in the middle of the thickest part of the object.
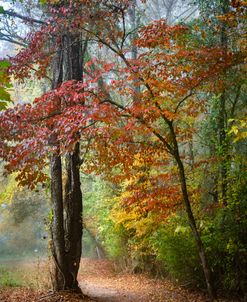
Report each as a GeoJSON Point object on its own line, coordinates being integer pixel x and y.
{"type": "Point", "coordinates": [66, 225]}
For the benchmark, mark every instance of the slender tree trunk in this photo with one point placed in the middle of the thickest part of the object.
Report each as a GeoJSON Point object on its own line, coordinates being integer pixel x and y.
{"type": "Point", "coordinates": [196, 234]}
{"type": "Point", "coordinates": [191, 218]}
{"type": "Point", "coordinates": [134, 22]}
{"type": "Point", "coordinates": [222, 119]}
{"type": "Point", "coordinates": [57, 228]}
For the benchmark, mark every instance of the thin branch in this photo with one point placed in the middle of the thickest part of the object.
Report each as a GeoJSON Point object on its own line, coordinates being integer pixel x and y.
{"type": "Point", "coordinates": [24, 18]}
{"type": "Point", "coordinates": [142, 121]}
{"type": "Point", "coordinates": [184, 12]}
{"type": "Point", "coordinates": [183, 100]}
{"type": "Point", "coordinates": [187, 17]}
{"type": "Point", "coordinates": [10, 40]}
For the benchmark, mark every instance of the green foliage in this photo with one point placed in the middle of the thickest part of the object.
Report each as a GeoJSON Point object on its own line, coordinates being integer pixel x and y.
{"type": "Point", "coordinates": [115, 241]}
{"type": "Point", "coordinates": [169, 249]}
{"type": "Point", "coordinates": [225, 237]}
{"type": "Point", "coordinates": [5, 97]}
{"type": "Point", "coordinates": [9, 278]}
{"type": "Point", "coordinates": [98, 202]}
{"type": "Point", "coordinates": [177, 252]}
{"type": "Point", "coordinates": [88, 246]}
{"type": "Point", "coordinates": [4, 63]}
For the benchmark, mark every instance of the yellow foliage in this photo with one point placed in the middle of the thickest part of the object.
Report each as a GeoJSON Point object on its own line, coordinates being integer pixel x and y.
{"type": "Point", "coordinates": [239, 129]}
{"type": "Point", "coordinates": [7, 193]}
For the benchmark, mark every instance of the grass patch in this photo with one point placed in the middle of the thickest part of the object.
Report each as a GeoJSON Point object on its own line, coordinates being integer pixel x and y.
{"type": "Point", "coordinates": [29, 274]}
{"type": "Point", "coordinates": [9, 278]}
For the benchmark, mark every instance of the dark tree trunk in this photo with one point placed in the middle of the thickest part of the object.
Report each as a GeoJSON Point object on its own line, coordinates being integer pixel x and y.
{"type": "Point", "coordinates": [222, 118]}
{"type": "Point", "coordinates": [223, 149]}
{"type": "Point", "coordinates": [73, 57]}
{"type": "Point", "coordinates": [73, 216]}
{"type": "Point", "coordinates": [66, 226]}
{"type": "Point", "coordinates": [73, 63]}
{"type": "Point", "coordinates": [57, 226]}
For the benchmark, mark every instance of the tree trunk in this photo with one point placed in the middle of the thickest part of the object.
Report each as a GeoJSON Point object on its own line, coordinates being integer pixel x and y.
{"type": "Point", "coordinates": [191, 218]}
{"type": "Point", "coordinates": [134, 23]}
{"type": "Point", "coordinates": [57, 228]}
{"type": "Point", "coordinates": [66, 227]}
{"type": "Point", "coordinates": [222, 118]}
{"type": "Point", "coordinates": [193, 226]}
{"type": "Point", "coordinates": [73, 216]}
{"type": "Point", "coordinates": [73, 61]}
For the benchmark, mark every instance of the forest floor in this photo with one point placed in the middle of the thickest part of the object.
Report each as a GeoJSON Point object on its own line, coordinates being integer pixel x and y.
{"type": "Point", "coordinates": [100, 281]}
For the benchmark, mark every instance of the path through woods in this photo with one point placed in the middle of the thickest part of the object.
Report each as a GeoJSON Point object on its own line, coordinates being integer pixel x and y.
{"type": "Point", "coordinates": [101, 282]}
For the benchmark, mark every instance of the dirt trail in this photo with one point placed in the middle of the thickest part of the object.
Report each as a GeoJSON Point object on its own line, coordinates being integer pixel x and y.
{"type": "Point", "coordinates": [99, 280]}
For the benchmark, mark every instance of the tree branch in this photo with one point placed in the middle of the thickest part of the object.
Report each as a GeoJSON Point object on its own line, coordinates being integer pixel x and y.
{"type": "Point", "coordinates": [24, 18]}
{"type": "Point", "coordinates": [7, 38]}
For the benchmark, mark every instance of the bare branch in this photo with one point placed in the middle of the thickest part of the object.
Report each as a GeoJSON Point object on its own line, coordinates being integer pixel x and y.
{"type": "Point", "coordinates": [7, 38]}
{"type": "Point", "coordinates": [11, 13]}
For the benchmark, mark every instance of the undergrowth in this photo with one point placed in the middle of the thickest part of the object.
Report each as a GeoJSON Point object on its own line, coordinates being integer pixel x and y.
{"type": "Point", "coordinates": [24, 274]}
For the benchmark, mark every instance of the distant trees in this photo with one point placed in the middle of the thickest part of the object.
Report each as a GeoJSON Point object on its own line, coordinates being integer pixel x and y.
{"type": "Point", "coordinates": [22, 220]}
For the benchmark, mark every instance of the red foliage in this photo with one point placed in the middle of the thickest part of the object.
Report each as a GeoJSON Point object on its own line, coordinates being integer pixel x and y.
{"type": "Point", "coordinates": [159, 88]}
